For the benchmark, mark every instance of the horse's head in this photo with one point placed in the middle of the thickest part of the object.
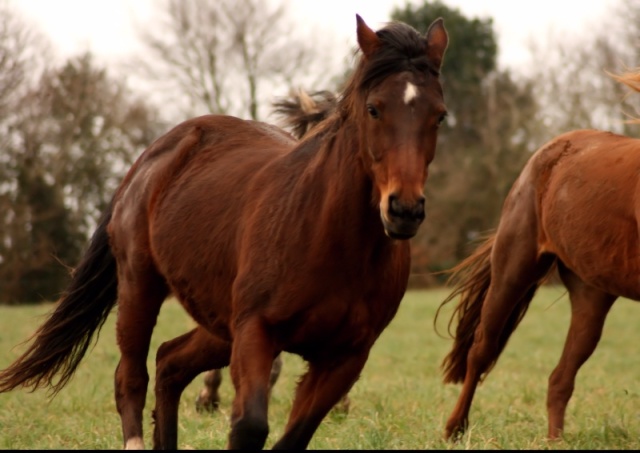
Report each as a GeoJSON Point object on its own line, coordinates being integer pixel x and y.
{"type": "Point", "coordinates": [397, 97]}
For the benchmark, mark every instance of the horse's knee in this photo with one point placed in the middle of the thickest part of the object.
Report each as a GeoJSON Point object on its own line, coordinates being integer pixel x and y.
{"type": "Point", "coordinates": [164, 350]}
{"type": "Point", "coordinates": [168, 376]}
{"type": "Point", "coordinates": [169, 371]}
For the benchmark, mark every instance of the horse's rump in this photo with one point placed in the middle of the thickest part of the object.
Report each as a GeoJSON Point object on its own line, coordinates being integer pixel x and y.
{"type": "Point", "coordinates": [587, 185]}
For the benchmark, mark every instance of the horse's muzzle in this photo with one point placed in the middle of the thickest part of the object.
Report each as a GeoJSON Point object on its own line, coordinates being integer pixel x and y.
{"type": "Point", "coordinates": [402, 220]}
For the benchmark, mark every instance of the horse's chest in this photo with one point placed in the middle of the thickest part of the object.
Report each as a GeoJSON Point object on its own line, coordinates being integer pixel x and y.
{"type": "Point", "coordinates": [341, 321]}
{"type": "Point", "coordinates": [329, 301]}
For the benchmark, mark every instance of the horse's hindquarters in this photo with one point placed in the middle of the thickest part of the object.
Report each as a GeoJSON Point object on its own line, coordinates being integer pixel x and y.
{"type": "Point", "coordinates": [589, 212]}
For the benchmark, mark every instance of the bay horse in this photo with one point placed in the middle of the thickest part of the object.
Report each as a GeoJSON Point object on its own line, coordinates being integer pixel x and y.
{"type": "Point", "coordinates": [299, 113]}
{"type": "Point", "coordinates": [268, 243]}
{"type": "Point", "coordinates": [575, 205]}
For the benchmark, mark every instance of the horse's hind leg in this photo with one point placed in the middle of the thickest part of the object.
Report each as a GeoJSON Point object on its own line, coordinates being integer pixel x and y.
{"type": "Point", "coordinates": [178, 362]}
{"type": "Point", "coordinates": [139, 302]}
{"type": "Point", "coordinates": [516, 268]}
{"type": "Point", "coordinates": [589, 309]}
{"type": "Point", "coordinates": [209, 397]}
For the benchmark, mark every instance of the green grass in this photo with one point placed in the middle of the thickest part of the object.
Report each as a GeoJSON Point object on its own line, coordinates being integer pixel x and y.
{"type": "Point", "coordinates": [399, 402]}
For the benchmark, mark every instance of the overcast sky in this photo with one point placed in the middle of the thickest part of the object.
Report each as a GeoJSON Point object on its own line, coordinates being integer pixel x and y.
{"type": "Point", "coordinates": [106, 27]}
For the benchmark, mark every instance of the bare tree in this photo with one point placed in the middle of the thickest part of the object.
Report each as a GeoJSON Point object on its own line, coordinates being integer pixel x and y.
{"type": "Point", "coordinates": [23, 53]}
{"type": "Point", "coordinates": [222, 56]}
{"type": "Point", "coordinates": [571, 77]}
{"type": "Point", "coordinates": [71, 138]}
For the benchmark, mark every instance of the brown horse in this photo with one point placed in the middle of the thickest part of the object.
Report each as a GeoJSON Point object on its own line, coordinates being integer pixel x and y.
{"type": "Point", "coordinates": [575, 205]}
{"type": "Point", "coordinates": [300, 112]}
{"type": "Point", "coordinates": [270, 244]}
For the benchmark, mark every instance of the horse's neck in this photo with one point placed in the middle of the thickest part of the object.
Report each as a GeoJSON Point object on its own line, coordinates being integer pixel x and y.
{"type": "Point", "coordinates": [348, 196]}
{"type": "Point", "coordinates": [348, 218]}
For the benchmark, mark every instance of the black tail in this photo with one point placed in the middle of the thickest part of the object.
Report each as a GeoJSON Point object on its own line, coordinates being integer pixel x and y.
{"type": "Point", "coordinates": [301, 111]}
{"type": "Point", "coordinates": [61, 342]}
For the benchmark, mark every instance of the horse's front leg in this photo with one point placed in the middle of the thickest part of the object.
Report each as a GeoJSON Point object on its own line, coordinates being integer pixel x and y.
{"type": "Point", "coordinates": [252, 358]}
{"type": "Point", "coordinates": [178, 362]}
{"type": "Point", "coordinates": [321, 388]}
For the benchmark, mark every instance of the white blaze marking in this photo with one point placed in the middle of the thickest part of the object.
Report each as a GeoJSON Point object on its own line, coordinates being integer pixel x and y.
{"type": "Point", "coordinates": [410, 92]}
{"type": "Point", "coordinates": [135, 443]}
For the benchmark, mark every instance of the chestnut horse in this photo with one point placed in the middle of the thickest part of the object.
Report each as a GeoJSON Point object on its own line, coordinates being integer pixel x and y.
{"type": "Point", "coordinates": [575, 205]}
{"type": "Point", "coordinates": [270, 244]}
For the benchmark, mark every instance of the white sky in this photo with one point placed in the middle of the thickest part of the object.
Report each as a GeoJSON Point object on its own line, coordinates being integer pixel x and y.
{"type": "Point", "coordinates": [106, 27]}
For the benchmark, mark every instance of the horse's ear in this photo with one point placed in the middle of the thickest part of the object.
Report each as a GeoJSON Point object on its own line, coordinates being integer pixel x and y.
{"type": "Point", "coordinates": [437, 41]}
{"type": "Point", "coordinates": [367, 38]}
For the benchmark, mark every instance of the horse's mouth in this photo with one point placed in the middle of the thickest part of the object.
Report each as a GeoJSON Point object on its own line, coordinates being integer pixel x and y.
{"type": "Point", "coordinates": [400, 229]}
{"type": "Point", "coordinates": [399, 236]}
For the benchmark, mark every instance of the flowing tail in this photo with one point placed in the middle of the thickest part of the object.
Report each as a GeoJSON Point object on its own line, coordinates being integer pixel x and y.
{"type": "Point", "coordinates": [61, 342]}
{"type": "Point", "coordinates": [302, 111]}
{"type": "Point", "coordinates": [471, 279]}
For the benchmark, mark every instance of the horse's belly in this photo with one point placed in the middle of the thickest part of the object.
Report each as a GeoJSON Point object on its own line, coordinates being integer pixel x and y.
{"type": "Point", "coordinates": [588, 214]}
{"type": "Point", "coordinates": [622, 282]}
{"type": "Point", "coordinates": [599, 244]}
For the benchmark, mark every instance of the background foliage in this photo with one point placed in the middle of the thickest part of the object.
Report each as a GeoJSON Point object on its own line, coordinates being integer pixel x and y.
{"type": "Point", "coordinates": [70, 130]}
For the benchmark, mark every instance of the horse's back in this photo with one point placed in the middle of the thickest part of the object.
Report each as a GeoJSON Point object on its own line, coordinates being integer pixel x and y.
{"type": "Point", "coordinates": [586, 186]}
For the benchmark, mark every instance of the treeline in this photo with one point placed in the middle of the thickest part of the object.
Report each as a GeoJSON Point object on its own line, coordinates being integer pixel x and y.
{"type": "Point", "coordinates": [69, 131]}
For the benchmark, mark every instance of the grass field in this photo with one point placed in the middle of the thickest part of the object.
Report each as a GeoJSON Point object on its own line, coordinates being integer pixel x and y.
{"type": "Point", "coordinates": [399, 402]}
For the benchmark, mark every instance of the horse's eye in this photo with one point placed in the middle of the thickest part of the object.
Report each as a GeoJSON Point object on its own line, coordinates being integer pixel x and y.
{"type": "Point", "coordinates": [373, 112]}
{"type": "Point", "coordinates": [441, 118]}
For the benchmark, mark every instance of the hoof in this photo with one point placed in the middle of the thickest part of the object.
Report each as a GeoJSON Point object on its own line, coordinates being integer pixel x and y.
{"type": "Point", "coordinates": [454, 431]}
{"type": "Point", "coordinates": [206, 403]}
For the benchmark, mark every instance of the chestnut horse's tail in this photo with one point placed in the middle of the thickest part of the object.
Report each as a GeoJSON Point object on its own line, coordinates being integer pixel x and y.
{"type": "Point", "coordinates": [60, 343]}
{"type": "Point", "coordinates": [471, 279]}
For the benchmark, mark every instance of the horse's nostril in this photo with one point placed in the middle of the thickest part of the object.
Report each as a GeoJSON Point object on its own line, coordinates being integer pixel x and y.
{"type": "Point", "coordinates": [395, 208]}
{"type": "Point", "coordinates": [420, 208]}
{"type": "Point", "coordinates": [406, 211]}
{"type": "Point", "coordinates": [418, 211]}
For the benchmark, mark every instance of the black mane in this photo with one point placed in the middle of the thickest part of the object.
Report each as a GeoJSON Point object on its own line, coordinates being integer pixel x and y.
{"type": "Point", "coordinates": [402, 48]}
